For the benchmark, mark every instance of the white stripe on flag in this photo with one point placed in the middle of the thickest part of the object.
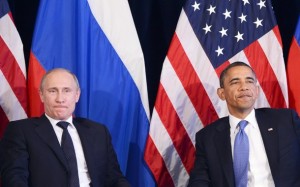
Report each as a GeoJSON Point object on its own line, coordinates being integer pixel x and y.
{"type": "Point", "coordinates": [123, 37]}
{"type": "Point", "coordinates": [13, 41]}
{"type": "Point", "coordinates": [9, 102]}
{"type": "Point", "coordinates": [201, 63]}
{"type": "Point", "coordinates": [166, 149]}
{"type": "Point", "coordinates": [269, 43]}
{"type": "Point", "coordinates": [187, 113]}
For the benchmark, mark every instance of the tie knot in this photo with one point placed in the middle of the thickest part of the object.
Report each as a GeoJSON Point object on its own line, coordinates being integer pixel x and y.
{"type": "Point", "coordinates": [63, 124]}
{"type": "Point", "coordinates": [243, 124]}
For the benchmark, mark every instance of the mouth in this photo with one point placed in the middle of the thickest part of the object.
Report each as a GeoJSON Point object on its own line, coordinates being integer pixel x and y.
{"type": "Point", "coordinates": [60, 107]}
{"type": "Point", "coordinates": [244, 96]}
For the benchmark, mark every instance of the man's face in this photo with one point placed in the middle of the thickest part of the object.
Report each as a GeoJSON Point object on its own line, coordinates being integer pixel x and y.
{"type": "Point", "coordinates": [59, 95]}
{"type": "Point", "coordinates": [240, 90]}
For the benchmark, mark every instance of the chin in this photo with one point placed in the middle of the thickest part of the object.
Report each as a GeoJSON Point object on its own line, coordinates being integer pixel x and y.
{"type": "Point", "coordinates": [61, 117]}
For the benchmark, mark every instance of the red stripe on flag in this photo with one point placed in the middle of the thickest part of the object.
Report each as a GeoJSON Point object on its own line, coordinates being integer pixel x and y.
{"type": "Point", "coordinates": [10, 15]}
{"type": "Point", "coordinates": [13, 74]}
{"type": "Point", "coordinates": [158, 167]}
{"type": "Point", "coordinates": [277, 34]}
{"type": "Point", "coordinates": [4, 122]}
{"type": "Point", "coordinates": [173, 125]}
{"type": "Point", "coordinates": [191, 82]}
{"type": "Point", "coordinates": [221, 68]}
{"type": "Point", "coordinates": [35, 74]}
{"type": "Point", "coordinates": [293, 75]}
{"type": "Point", "coordinates": [265, 75]}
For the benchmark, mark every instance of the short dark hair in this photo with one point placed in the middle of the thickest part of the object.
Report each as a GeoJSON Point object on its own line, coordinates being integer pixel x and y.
{"type": "Point", "coordinates": [234, 64]}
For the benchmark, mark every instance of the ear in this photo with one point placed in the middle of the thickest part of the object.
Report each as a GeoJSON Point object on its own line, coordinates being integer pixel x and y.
{"type": "Point", "coordinates": [221, 94]}
{"type": "Point", "coordinates": [78, 95]}
{"type": "Point", "coordinates": [41, 95]}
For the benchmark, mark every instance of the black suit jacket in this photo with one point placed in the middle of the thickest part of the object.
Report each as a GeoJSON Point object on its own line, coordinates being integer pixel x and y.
{"type": "Point", "coordinates": [31, 155]}
{"type": "Point", "coordinates": [280, 130]}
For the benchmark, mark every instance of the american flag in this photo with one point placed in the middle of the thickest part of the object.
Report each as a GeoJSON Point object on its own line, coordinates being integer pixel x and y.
{"type": "Point", "coordinates": [12, 70]}
{"type": "Point", "coordinates": [210, 35]}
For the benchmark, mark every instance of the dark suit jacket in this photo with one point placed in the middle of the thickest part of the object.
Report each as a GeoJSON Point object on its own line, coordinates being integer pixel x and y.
{"type": "Point", "coordinates": [280, 130]}
{"type": "Point", "coordinates": [31, 155]}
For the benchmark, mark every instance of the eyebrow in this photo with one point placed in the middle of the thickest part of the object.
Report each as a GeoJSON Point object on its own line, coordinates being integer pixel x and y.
{"type": "Point", "coordinates": [56, 88]}
{"type": "Point", "coordinates": [251, 78]}
{"type": "Point", "coordinates": [235, 79]}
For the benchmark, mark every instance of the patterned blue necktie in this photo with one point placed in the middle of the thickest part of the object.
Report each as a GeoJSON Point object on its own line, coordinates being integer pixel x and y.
{"type": "Point", "coordinates": [68, 148]}
{"type": "Point", "coordinates": [241, 156]}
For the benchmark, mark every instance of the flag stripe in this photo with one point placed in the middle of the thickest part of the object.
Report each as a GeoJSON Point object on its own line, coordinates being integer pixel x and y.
{"type": "Point", "coordinates": [293, 74]}
{"type": "Point", "coordinates": [270, 43]}
{"type": "Point", "coordinates": [169, 153]}
{"type": "Point", "coordinates": [175, 129]}
{"type": "Point", "coordinates": [187, 113]}
{"type": "Point", "coordinates": [16, 81]}
{"type": "Point", "coordinates": [159, 168]}
{"type": "Point", "coordinates": [36, 72]}
{"type": "Point", "coordinates": [262, 67]}
{"type": "Point", "coordinates": [221, 68]}
{"type": "Point", "coordinates": [200, 63]}
{"type": "Point", "coordinates": [11, 60]}
{"type": "Point", "coordinates": [9, 34]}
{"type": "Point", "coordinates": [277, 35]}
{"type": "Point", "coordinates": [191, 82]}
{"type": "Point", "coordinates": [131, 55]}
{"type": "Point", "coordinates": [9, 102]}
{"type": "Point", "coordinates": [172, 85]}
{"type": "Point", "coordinates": [293, 67]}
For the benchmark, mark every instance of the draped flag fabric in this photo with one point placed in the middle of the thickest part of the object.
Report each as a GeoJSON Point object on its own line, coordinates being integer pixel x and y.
{"type": "Point", "coordinates": [97, 40]}
{"type": "Point", "coordinates": [13, 98]}
{"type": "Point", "coordinates": [210, 34]}
{"type": "Point", "coordinates": [293, 67]}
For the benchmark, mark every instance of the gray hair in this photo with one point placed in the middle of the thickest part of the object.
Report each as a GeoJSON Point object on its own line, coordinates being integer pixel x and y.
{"type": "Point", "coordinates": [54, 70]}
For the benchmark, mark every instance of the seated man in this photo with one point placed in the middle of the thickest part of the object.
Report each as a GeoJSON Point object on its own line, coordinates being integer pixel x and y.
{"type": "Point", "coordinates": [57, 149]}
{"type": "Point", "coordinates": [250, 147]}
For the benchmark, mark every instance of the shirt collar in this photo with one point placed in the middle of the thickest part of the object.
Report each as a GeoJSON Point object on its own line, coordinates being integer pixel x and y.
{"type": "Point", "coordinates": [55, 121]}
{"type": "Point", "coordinates": [233, 121]}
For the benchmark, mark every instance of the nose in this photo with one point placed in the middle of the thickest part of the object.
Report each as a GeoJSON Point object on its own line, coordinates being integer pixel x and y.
{"type": "Point", "coordinates": [59, 97]}
{"type": "Point", "coordinates": [244, 86]}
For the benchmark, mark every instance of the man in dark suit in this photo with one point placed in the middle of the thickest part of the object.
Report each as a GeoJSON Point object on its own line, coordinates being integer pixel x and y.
{"type": "Point", "coordinates": [273, 139]}
{"type": "Point", "coordinates": [32, 153]}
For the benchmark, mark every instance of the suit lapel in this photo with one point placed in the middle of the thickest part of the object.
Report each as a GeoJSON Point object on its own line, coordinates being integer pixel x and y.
{"type": "Point", "coordinates": [268, 130]}
{"type": "Point", "coordinates": [46, 132]}
{"type": "Point", "coordinates": [223, 145]}
{"type": "Point", "coordinates": [86, 137]}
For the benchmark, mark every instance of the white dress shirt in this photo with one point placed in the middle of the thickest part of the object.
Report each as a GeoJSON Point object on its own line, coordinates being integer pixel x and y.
{"type": "Point", "coordinates": [259, 173]}
{"type": "Point", "coordinates": [83, 174]}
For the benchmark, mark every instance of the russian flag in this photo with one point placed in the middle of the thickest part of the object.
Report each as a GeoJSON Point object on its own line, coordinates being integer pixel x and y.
{"type": "Point", "coordinates": [97, 40]}
{"type": "Point", "coordinates": [293, 70]}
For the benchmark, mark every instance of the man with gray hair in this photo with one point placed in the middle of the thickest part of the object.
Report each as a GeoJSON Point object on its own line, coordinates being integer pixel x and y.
{"type": "Point", "coordinates": [57, 149]}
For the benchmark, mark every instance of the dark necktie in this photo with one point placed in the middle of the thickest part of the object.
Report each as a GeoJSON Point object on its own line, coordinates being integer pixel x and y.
{"type": "Point", "coordinates": [241, 156]}
{"type": "Point", "coordinates": [68, 148]}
